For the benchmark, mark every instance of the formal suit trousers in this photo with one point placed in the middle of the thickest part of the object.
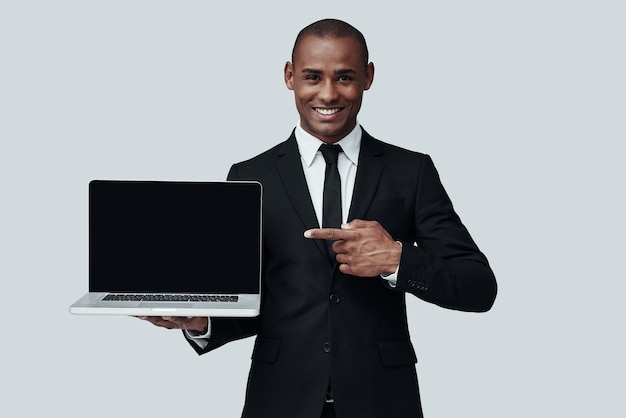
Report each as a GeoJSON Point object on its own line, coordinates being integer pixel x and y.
{"type": "Point", "coordinates": [329, 410]}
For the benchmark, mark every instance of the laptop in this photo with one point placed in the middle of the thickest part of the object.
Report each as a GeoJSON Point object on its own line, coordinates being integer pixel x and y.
{"type": "Point", "coordinates": [174, 248]}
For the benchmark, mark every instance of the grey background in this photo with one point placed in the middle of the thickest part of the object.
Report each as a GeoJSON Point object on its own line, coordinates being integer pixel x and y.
{"type": "Point", "coordinates": [520, 104]}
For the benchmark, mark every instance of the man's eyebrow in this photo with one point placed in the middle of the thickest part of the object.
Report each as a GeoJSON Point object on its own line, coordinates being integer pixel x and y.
{"type": "Point", "coordinates": [311, 71]}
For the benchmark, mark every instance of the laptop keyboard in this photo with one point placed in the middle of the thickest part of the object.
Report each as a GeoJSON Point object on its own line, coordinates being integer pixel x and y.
{"type": "Point", "coordinates": [170, 298]}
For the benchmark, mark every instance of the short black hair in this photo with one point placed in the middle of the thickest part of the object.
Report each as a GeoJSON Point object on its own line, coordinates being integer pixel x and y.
{"type": "Point", "coordinates": [334, 28]}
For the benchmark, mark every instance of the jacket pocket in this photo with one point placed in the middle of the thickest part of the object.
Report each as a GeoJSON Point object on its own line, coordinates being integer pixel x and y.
{"type": "Point", "coordinates": [266, 349]}
{"type": "Point", "coordinates": [397, 353]}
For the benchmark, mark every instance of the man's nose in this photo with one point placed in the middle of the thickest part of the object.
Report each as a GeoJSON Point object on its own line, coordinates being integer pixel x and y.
{"type": "Point", "coordinates": [328, 91]}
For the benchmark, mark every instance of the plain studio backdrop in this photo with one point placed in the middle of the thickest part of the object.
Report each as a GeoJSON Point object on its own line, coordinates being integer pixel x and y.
{"type": "Point", "coordinates": [521, 105]}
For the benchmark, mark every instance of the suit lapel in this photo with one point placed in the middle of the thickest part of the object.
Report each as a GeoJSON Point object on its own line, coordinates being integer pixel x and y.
{"type": "Point", "coordinates": [368, 174]}
{"type": "Point", "coordinates": [289, 168]}
{"type": "Point", "coordinates": [369, 170]}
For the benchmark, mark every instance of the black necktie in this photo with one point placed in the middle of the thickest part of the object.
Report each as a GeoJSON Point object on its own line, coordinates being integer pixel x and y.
{"type": "Point", "coordinates": [331, 209]}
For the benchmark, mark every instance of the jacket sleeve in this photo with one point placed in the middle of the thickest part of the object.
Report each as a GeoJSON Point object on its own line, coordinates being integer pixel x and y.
{"type": "Point", "coordinates": [225, 330]}
{"type": "Point", "coordinates": [443, 266]}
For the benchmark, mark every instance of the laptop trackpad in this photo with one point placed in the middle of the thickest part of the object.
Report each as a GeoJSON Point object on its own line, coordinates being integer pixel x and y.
{"type": "Point", "coordinates": [166, 305]}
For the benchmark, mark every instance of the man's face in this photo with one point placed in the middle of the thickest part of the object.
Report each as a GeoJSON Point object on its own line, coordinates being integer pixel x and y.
{"type": "Point", "coordinates": [328, 78]}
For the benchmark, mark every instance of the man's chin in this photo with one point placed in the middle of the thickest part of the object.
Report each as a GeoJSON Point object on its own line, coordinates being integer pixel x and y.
{"type": "Point", "coordinates": [329, 133]}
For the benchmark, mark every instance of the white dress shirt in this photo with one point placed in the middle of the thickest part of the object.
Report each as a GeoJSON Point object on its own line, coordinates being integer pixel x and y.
{"type": "Point", "coordinates": [314, 167]}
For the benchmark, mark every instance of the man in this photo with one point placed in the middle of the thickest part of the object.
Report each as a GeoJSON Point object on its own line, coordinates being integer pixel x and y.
{"type": "Point", "coordinates": [332, 337]}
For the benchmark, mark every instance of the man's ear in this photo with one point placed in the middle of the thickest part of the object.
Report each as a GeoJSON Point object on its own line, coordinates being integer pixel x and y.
{"type": "Point", "coordinates": [289, 75]}
{"type": "Point", "coordinates": [369, 75]}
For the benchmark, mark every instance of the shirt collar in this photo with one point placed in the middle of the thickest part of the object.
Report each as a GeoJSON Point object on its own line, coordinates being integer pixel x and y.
{"type": "Point", "coordinates": [309, 145]}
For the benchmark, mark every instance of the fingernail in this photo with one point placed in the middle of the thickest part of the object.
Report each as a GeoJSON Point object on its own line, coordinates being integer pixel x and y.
{"type": "Point", "coordinates": [307, 233]}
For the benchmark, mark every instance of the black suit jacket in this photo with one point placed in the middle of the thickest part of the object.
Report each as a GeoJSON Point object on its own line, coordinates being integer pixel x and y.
{"type": "Point", "coordinates": [318, 325]}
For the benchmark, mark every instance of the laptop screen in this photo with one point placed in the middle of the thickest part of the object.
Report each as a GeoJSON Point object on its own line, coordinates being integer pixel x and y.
{"type": "Point", "coordinates": [174, 237]}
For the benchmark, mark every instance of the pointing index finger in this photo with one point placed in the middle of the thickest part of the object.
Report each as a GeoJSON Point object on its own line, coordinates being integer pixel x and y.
{"type": "Point", "coordinates": [331, 234]}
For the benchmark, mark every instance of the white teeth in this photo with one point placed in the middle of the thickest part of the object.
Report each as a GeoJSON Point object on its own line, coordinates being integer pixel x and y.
{"type": "Point", "coordinates": [326, 111]}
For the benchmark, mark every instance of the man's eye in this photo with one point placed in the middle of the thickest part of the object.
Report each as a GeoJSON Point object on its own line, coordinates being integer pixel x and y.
{"type": "Point", "coordinates": [345, 78]}
{"type": "Point", "coordinates": [312, 77]}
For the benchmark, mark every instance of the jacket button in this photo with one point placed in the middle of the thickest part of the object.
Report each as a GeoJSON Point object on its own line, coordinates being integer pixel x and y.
{"type": "Point", "coordinates": [326, 347]}
{"type": "Point", "coordinates": [334, 298]}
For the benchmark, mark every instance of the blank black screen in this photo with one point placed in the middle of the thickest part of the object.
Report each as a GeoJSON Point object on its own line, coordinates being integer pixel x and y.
{"type": "Point", "coordinates": [172, 237]}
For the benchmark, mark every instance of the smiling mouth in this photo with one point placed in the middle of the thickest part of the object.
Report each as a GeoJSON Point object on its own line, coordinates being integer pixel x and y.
{"type": "Point", "coordinates": [327, 111]}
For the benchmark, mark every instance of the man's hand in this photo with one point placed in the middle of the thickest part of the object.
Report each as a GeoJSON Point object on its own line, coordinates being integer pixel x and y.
{"type": "Point", "coordinates": [195, 323]}
{"type": "Point", "coordinates": [364, 248]}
